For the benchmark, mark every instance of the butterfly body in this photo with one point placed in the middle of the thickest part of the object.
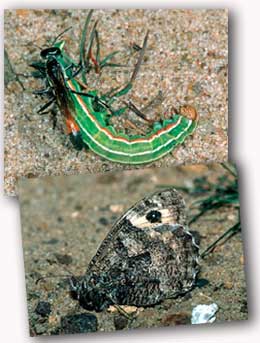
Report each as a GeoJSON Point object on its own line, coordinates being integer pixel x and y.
{"type": "Point", "coordinates": [142, 262]}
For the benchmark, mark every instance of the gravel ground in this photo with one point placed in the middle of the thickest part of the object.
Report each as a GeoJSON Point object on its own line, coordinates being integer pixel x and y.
{"type": "Point", "coordinates": [186, 59]}
{"type": "Point", "coordinates": [64, 219]}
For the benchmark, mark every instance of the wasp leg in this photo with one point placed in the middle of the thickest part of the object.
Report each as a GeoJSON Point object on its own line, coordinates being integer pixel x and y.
{"type": "Point", "coordinates": [49, 103]}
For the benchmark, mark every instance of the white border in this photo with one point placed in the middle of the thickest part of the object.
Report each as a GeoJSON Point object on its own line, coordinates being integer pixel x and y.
{"type": "Point", "coordinates": [244, 16]}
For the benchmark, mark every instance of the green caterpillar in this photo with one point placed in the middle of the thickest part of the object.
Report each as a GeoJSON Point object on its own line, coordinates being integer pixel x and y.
{"type": "Point", "coordinates": [88, 114]}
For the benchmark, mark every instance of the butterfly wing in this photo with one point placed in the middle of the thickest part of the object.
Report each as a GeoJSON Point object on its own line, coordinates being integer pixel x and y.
{"type": "Point", "coordinates": [148, 255]}
{"type": "Point", "coordinates": [168, 205]}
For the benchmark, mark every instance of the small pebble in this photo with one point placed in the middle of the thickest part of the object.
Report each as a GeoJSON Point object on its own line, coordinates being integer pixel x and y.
{"type": "Point", "coordinates": [64, 259]}
{"type": "Point", "coordinates": [116, 208]}
{"type": "Point", "coordinates": [228, 285]}
{"type": "Point", "coordinates": [43, 308]}
{"type": "Point", "coordinates": [39, 329]}
{"type": "Point", "coordinates": [78, 207]}
{"type": "Point", "coordinates": [200, 283]}
{"type": "Point", "coordinates": [74, 214]}
{"type": "Point", "coordinates": [60, 219]}
{"type": "Point", "coordinates": [79, 323]}
{"type": "Point", "coordinates": [52, 241]}
{"type": "Point", "coordinates": [197, 88]}
{"type": "Point", "coordinates": [120, 322]}
{"type": "Point", "coordinates": [180, 318]}
{"type": "Point", "coordinates": [202, 314]}
{"type": "Point", "coordinates": [104, 221]}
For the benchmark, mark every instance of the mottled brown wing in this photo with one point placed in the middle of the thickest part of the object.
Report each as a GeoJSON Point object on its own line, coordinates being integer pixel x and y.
{"type": "Point", "coordinates": [149, 266]}
{"type": "Point", "coordinates": [162, 207]}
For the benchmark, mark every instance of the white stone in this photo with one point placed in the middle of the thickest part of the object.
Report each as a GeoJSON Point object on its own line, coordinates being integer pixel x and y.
{"type": "Point", "coordinates": [202, 314]}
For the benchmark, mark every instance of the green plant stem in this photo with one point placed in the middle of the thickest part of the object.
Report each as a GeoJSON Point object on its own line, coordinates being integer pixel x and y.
{"type": "Point", "coordinates": [230, 232]}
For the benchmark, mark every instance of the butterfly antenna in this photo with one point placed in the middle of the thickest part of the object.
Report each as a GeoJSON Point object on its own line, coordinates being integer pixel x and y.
{"type": "Point", "coordinates": [51, 277]}
{"type": "Point", "coordinates": [70, 274]}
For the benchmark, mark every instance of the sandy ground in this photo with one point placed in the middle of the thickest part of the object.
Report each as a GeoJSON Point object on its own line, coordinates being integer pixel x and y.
{"type": "Point", "coordinates": [64, 219]}
{"type": "Point", "coordinates": [186, 59]}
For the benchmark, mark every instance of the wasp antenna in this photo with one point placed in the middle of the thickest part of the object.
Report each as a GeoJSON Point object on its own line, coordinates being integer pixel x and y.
{"type": "Point", "coordinates": [32, 44]}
